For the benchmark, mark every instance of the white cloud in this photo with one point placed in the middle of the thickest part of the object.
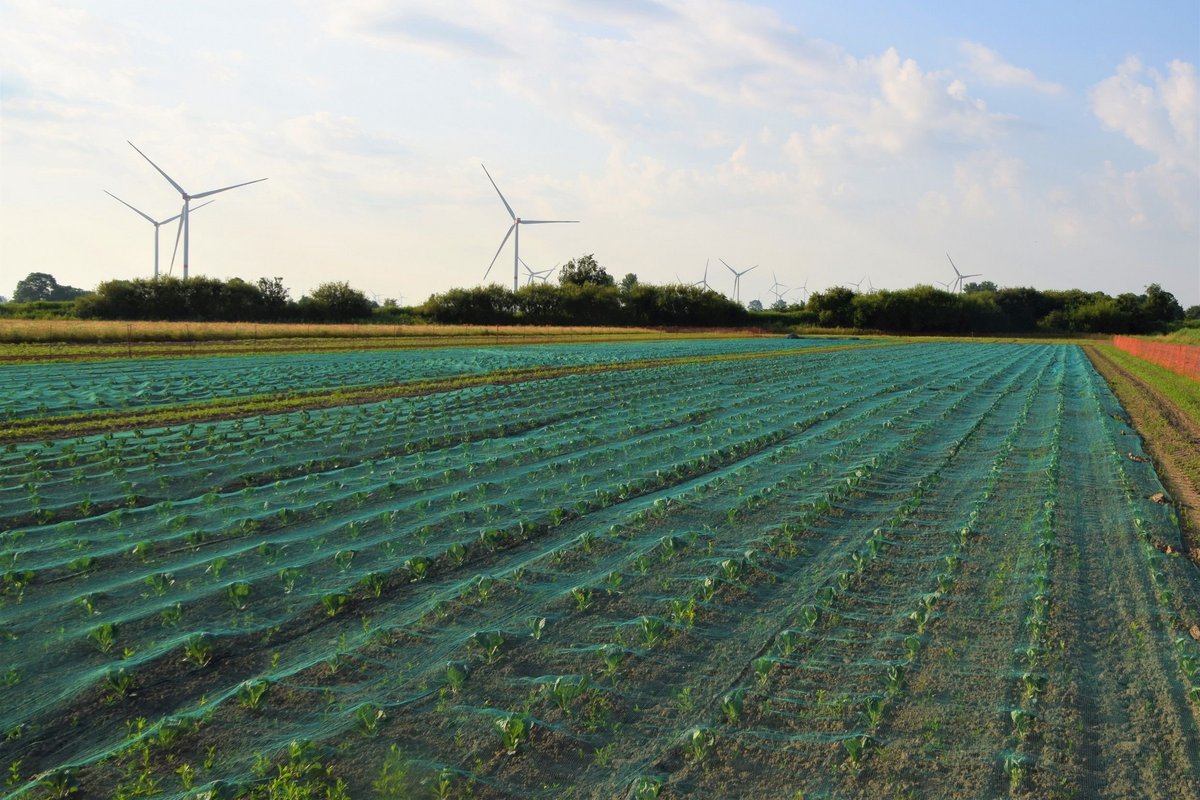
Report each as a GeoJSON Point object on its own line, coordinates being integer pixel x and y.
{"type": "Point", "coordinates": [990, 68]}
{"type": "Point", "coordinates": [1159, 116]}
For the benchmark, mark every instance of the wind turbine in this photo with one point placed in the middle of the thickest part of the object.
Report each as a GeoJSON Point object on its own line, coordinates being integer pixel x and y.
{"type": "Point", "coordinates": [704, 281]}
{"type": "Point", "coordinates": [517, 222]}
{"type": "Point", "coordinates": [959, 277]}
{"type": "Point", "coordinates": [533, 275]}
{"type": "Point", "coordinates": [156, 223]}
{"type": "Point", "coordinates": [184, 223]}
{"type": "Point", "coordinates": [804, 287]}
{"type": "Point", "coordinates": [737, 279]}
{"type": "Point", "coordinates": [775, 288]}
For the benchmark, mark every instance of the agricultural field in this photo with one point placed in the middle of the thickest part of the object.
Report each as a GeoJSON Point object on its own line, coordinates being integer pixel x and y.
{"type": "Point", "coordinates": [710, 568]}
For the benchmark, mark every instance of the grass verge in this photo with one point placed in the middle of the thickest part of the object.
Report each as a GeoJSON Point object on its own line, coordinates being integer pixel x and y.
{"type": "Point", "coordinates": [1164, 408]}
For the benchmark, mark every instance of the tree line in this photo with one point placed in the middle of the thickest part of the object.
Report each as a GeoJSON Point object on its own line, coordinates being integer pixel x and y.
{"type": "Point", "coordinates": [586, 294]}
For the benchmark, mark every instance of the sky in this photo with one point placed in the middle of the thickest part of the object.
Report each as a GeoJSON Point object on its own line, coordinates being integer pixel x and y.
{"type": "Point", "coordinates": [1054, 145]}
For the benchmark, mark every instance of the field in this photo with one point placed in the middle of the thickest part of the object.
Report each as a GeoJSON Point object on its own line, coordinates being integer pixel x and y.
{"type": "Point", "coordinates": [760, 568]}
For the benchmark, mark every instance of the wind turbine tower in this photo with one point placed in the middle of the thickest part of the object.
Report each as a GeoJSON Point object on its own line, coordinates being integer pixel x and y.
{"type": "Point", "coordinates": [959, 277]}
{"type": "Point", "coordinates": [515, 228]}
{"type": "Point", "coordinates": [737, 279]}
{"type": "Point", "coordinates": [184, 223]}
{"type": "Point", "coordinates": [156, 223]}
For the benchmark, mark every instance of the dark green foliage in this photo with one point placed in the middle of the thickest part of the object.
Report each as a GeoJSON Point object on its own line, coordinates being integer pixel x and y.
{"type": "Point", "coordinates": [42, 286]}
{"type": "Point", "coordinates": [583, 271]}
{"type": "Point", "coordinates": [586, 304]}
{"type": "Point", "coordinates": [335, 301]}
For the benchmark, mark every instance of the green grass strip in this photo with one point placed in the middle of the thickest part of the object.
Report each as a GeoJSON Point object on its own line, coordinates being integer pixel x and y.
{"type": "Point", "coordinates": [71, 425]}
{"type": "Point", "coordinates": [1180, 390]}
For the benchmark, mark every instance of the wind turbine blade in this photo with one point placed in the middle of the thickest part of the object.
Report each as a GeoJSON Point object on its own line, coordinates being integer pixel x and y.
{"type": "Point", "coordinates": [545, 221]}
{"type": "Point", "coordinates": [194, 209]}
{"type": "Point", "coordinates": [743, 272]}
{"type": "Point", "coordinates": [175, 249]}
{"type": "Point", "coordinates": [503, 242]}
{"type": "Point", "coordinates": [951, 260]}
{"type": "Point", "coordinates": [225, 189]}
{"type": "Point", "coordinates": [511, 213]}
{"type": "Point", "coordinates": [122, 202]}
{"type": "Point", "coordinates": [731, 269]}
{"type": "Point", "coordinates": [170, 180]}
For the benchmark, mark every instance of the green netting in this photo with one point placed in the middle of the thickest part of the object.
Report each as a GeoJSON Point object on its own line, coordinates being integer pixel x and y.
{"type": "Point", "coordinates": [759, 576]}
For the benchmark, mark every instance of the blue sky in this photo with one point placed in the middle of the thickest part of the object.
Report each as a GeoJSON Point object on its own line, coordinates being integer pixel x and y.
{"type": "Point", "coordinates": [1052, 145]}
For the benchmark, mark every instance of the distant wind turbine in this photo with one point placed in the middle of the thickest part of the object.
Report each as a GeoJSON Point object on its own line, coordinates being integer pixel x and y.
{"type": "Point", "coordinates": [184, 224]}
{"type": "Point", "coordinates": [704, 281]}
{"type": "Point", "coordinates": [537, 275]}
{"type": "Point", "coordinates": [776, 287]}
{"type": "Point", "coordinates": [959, 277]}
{"type": "Point", "coordinates": [515, 227]}
{"type": "Point", "coordinates": [737, 279]}
{"type": "Point", "coordinates": [156, 223]}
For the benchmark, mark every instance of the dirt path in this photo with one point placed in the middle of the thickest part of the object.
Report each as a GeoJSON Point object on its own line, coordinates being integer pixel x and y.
{"type": "Point", "coordinates": [1171, 437]}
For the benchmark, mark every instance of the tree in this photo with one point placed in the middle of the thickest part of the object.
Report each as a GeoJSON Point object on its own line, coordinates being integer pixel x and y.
{"type": "Point", "coordinates": [336, 301]}
{"type": "Point", "coordinates": [1193, 312]}
{"type": "Point", "coordinates": [981, 286]}
{"type": "Point", "coordinates": [755, 305]}
{"type": "Point", "coordinates": [1161, 306]}
{"type": "Point", "coordinates": [584, 270]}
{"type": "Point", "coordinates": [42, 286]}
{"type": "Point", "coordinates": [628, 282]}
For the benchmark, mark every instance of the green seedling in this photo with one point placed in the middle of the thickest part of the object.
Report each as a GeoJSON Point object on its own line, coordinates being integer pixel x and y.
{"type": "Point", "coordinates": [342, 559]}
{"type": "Point", "coordinates": [860, 561]}
{"type": "Point", "coordinates": [1034, 683]}
{"type": "Point", "coordinates": [1022, 722]}
{"type": "Point", "coordinates": [731, 570]}
{"type": "Point", "coordinates": [333, 602]}
{"type": "Point", "coordinates": [921, 617]}
{"type": "Point", "coordinates": [160, 582]}
{"type": "Point", "coordinates": [912, 646]}
{"type": "Point", "coordinates": [653, 630]}
{"type": "Point", "coordinates": [1016, 765]}
{"type": "Point", "coordinates": [787, 642]}
{"type": "Point", "coordinates": [614, 581]}
{"type": "Point", "coordinates": [587, 541]}
{"type": "Point", "coordinates": [288, 577]}
{"type": "Point", "coordinates": [238, 595]}
{"type": "Point", "coordinates": [732, 704]}
{"type": "Point", "coordinates": [250, 693]}
{"type": "Point", "coordinates": [945, 582]}
{"type": "Point", "coordinates": [103, 636]}
{"type": "Point", "coordinates": [566, 689]}
{"type": "Point", "coordinates": [488, 643]}
{"type": "Point", "coordinates": [583, 598]}
{"type": "Point", "coordinates": [417, 567]}
{"type": "Point", "coordinates": [612, 655]}
{"type": "Point", "coordinates": [457, 673]}
{"type": "Point", "coordinates": [683, 612]}
{"type": "Point", "coordinates": [369, 716]}
{"type": "Point", "coordinates": [708, 590]}
{"type": "Point", "coordinates": [198, 649]}
{"type": "Point", "coordinates": [372, 583]}
{"type": "Point", "coordinates": [895, 679]}
{"type": "Point", "coordinates": [485, 585]}
{"type": "Point", "coordinates": [514, 729]}
{"type": "Point", "coordinates": [857, 748]}
{"type": "Point", "coordinates": [90, 603]}
{"type": "Point", "coordinates": [873, 708]}
{"type": "Point", "coordinates": [537, 626]}
{"type": "Point", "coordinates": [646, 788]}
{"type": "Point", "coordinates": [700, 743]}
{"type": "Point", "coordinates": [457, 554]}
{"type": "Point", "coordinates": [120, 682]}
{"type": "Point", "coordinates": [762, 668]}
{"type": "Point", "coordinates": [811, 615]}
{"type": "Point", "coordinates": [171, 615]}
